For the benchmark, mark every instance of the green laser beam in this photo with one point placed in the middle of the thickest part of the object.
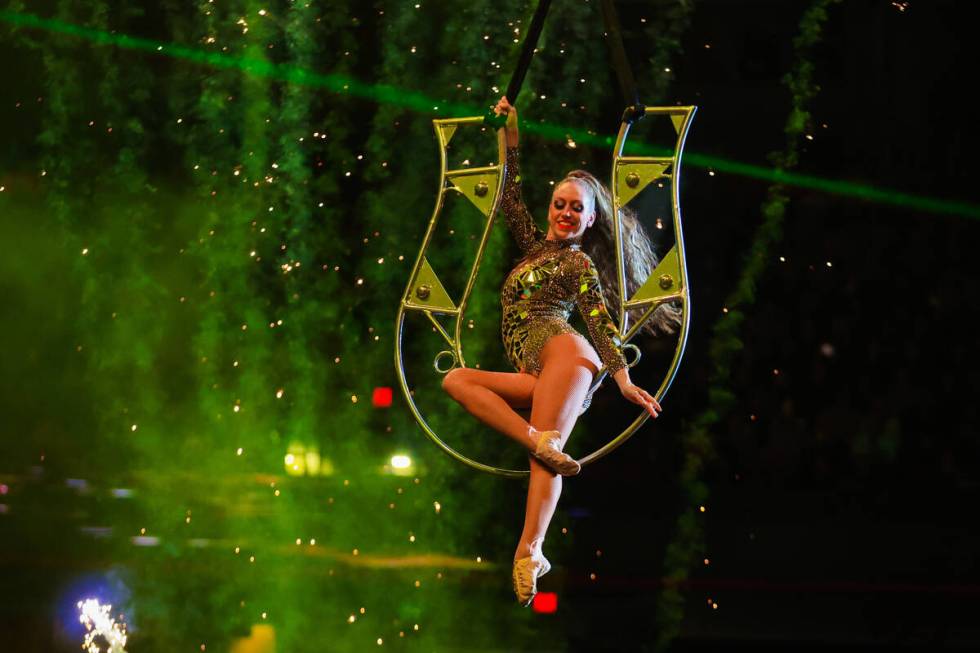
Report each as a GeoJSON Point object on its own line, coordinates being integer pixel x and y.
{"type": "Point", "coordinates": [836, 187]}
{"type": "Point", "coordinates": [419, 102]}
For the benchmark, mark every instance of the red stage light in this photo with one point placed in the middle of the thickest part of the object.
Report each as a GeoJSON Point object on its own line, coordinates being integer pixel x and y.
{"type": "Point", "coordinates": [381, 397]}
{"type": "Point", "coordinates": [545, 602]}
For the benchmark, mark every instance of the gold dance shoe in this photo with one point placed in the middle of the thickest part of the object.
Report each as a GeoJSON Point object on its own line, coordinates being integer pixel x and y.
{"type": "Point", "coordinates": [526, 573]}
{"type": "Point", "coordinates": [548, 451]}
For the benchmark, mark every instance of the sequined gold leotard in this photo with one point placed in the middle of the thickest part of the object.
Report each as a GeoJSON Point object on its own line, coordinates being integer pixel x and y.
{"type": "Point", "coordinates": [539, 293]}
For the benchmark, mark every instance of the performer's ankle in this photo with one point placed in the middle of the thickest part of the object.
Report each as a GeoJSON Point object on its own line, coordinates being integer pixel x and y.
{"type": "Point", "coordinates": [533, 435]}
{"type": "Point", "coordinates": [525, 549]}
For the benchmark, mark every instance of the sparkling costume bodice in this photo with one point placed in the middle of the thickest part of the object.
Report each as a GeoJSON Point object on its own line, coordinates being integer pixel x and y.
{"type": "Point", "coordinates": [539, 293]}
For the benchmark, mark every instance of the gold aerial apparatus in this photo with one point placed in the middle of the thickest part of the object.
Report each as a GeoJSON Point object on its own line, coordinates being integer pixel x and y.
{"type": "Point", "coordinates": [482, 186]}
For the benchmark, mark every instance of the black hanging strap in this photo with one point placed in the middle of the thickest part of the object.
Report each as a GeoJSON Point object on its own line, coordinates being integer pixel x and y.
{"type": "Point", "coordinates": [627, 83]}
{"type": "Point", "coordinates": [527, 53]}
{"type": "Point", "coordinates": [614, 37]}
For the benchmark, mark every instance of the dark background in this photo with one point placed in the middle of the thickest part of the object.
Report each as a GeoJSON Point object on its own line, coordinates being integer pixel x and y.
{"type": "Point", "coordinates": [843, 515]}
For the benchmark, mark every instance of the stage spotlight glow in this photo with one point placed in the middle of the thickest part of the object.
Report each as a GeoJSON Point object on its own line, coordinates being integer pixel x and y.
{"type": "Point", "coordinates": [400, 464]}
{"type": "Point", "coordinates": [381, 397]}
{"type": "Point", "coordinates": [545, 602]}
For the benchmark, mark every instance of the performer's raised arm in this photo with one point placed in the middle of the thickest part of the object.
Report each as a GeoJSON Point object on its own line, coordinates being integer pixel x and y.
{"type": "Point", "coordinates": [519, 220]}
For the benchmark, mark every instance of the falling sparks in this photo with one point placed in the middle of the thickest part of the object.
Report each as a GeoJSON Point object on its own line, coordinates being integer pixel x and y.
{"type": "Point", "coordinates": [99, 624]}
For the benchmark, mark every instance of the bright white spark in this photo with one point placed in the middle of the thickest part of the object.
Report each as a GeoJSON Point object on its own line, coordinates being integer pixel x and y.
{"type": "Point", "coordinates": [99, 623]}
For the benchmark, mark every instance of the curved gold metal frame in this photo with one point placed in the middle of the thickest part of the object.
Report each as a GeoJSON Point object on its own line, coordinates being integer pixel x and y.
{"type": "Point", "coordinates": [668, 282]}
{"type": "Point", "coordinates": [482, 186]}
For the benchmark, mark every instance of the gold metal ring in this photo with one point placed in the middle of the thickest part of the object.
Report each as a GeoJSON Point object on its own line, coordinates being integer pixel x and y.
{"type": "Point", "coordinates": [639, 354]}
{"type": "Point", "coordinates": [435, 362]}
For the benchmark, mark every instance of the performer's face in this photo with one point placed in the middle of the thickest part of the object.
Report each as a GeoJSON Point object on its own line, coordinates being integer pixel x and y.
{"type": "Point", "coordinates": [572, 211]}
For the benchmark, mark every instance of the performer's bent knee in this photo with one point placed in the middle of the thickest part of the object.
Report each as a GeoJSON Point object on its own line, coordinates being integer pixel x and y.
{"type": "Point", "coordinates": [454, 381]}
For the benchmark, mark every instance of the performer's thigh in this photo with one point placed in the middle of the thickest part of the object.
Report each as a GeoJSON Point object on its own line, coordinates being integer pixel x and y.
{"type": "Point", "coordinates": [516, 388]}
{"type": "Point", "coordinates": [569, 365]}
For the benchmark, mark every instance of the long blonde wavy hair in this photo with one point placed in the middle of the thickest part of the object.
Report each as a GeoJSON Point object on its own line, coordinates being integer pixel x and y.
{"type": "Point", "coordinates": [639, 258]}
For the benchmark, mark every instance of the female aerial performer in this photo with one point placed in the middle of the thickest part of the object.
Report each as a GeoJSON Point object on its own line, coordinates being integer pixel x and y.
{"type": "Point", "coordinates": [555, 364]}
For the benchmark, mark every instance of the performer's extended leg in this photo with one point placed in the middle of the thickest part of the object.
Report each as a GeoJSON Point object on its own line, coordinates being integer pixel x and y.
{"type": "Point", "coordinates": [568, 366]}
{"type": "Point", "coordinates": [492, 398]}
